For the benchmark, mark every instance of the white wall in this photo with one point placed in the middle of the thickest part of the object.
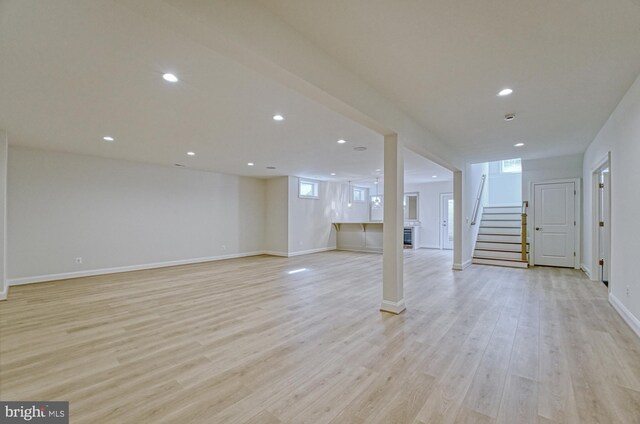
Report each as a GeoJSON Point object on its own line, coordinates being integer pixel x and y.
{"type": "Point", "coordinates": [555, 168]}
{"type": "Point", "coordinates": [503, 188]}
{"type": "Point", "coordinates": [429, 210]}
{"type": "Point", "coordinates": [621, 136]}
{"type": "Point", "coordinates": [470, 185]}
{"type": "Point", "coordinates": [116, 214]}
{"type": "Point", "coordinates": [310, 220]}
{"type": "Point", "coordinates": [276, 240]}
{"type": "Point", "coordinates": [3, 213]}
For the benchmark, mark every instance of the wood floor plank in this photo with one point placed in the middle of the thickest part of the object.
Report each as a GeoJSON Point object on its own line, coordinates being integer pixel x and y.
{"type": "Point", "coordinates": [520, 401]}
{"type": "Point", "coordinates": [243, 341]}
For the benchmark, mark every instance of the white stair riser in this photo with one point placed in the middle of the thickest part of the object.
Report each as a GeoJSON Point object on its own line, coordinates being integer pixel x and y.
{"type": "Point", "coordinates": [500, 263]}
{"type": "Point", "coordinates": [501, 216]}
{"type": "Point", "coordinates": [500, 246]}
{"type": "Point", "coordinates": [507, 238]}
{"type": "Point", "coordinates": [501, 255]}
{"type": "Point", "coordinates": [510, 231]}
{"type": "Point", "coordinates": [493, 209]}
{"type": "Point", "coordinates": [502, 223]}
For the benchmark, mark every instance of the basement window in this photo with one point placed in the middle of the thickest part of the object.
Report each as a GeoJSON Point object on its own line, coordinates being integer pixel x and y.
{"type": "Point", "coordinates": [511, 166]}
{"type": "Point", "coordinates": [359, 194]}
{"type": "Point", "coordinates": [308, 189]}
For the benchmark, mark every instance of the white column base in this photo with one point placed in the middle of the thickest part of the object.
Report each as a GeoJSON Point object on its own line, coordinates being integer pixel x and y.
{"type": "Point", "coordinates": [393, 307]}
{"type": "Point", "coordinates": [462, 266]}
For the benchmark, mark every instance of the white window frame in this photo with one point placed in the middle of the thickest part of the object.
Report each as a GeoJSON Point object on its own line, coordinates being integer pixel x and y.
{"type": "Point", "coordinates": [353, 194]}
{"type": "Point", "coordinates": [502, 169]}
{"type": "Point", "coordinates": [316, 188]}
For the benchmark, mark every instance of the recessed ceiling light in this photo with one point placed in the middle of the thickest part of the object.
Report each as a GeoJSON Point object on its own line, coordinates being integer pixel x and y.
{"type": "Point", "coordinates": [278, 118]}
{"type": "Point", "coordinates": [518, 145]}
{"type": "Point", "coordinates": [434, 176]}
{"type": "Point", "coordinates": [505, 92]}
{"type": "Point", "coordinates": [509, 116]}
{"type": "Point", "coordinates": [341, 141]}
{"type": "Point", "coordinates": [107, 138]}
{"type": "Point", "coordinates": [333, 173]}
{"type": "Point", "coordinates": [170, 77]}
{"type": "Point", "coordinates": [360, 149]}
{"type": "Point", "coordinates": [250, 164]}
{"type": "Point", "coordinates": [191, 153]}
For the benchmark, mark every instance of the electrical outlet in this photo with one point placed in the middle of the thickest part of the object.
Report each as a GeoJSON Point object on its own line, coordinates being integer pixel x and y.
{"type": "Point", "coordinates": [628, 291]}
{"type": "Point", "coordinates": [78, 260]}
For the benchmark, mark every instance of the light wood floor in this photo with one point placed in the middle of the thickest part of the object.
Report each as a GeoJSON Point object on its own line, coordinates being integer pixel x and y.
{"type": "Point", "coordinates": [244, 341]}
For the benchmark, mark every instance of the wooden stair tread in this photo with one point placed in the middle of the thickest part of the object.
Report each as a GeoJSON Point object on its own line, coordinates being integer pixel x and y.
{"type": "Point", "coordinates": [504, 207]}
{"type": "Point", "coordinates": [498, 242]}
{"type": "Point", "coordinates": [502, 266]}
{"type": "Point", "coordinates": [506, 235]}
{"type": "Point", "coordinates": [497, 250]}
{"type": "Point", "coordinates": [499, 259]}
{"type": "Point", "coordinates": [494, 226]}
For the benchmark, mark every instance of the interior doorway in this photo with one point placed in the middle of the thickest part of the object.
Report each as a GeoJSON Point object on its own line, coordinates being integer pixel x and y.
{"type": "Point", "coordinates": [603, 223]}
{"type": "Point", "coordinates": [446, 219]}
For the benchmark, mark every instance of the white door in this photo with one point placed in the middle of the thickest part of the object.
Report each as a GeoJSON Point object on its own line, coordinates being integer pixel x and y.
{"type": "Point", "coordinates": [554, 224]}
{"type": "Point", "coordinates": [446, 219]}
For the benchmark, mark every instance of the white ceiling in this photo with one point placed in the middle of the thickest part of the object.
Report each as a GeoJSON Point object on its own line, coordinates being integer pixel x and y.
{"type": "Point", "coordinates": [569, 62]}
{"type": "Point", "coordinates": [72, 72]}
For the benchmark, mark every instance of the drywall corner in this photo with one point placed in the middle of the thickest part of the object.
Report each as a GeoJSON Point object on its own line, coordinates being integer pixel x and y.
{"type": "Point", "coordinates": [276, 238]}
{"type": "Point", "coordinates": [4, 153]}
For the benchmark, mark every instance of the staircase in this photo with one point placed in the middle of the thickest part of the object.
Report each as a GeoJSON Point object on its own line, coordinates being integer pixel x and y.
{"type": "Point", "coordinates": [500, 238]}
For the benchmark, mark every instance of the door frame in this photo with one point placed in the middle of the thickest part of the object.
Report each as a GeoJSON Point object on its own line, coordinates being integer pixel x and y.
{"type": "Point", "coordinates": [595, 237]}
{"type": "Point", "coordinates": [440, 231]}
{"type": "Point", "coordinates": [577, 207]}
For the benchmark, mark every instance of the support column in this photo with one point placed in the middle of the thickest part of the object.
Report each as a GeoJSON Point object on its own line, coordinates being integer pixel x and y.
{"type": "Point", "coordinates": [4, 152]}
{"type": "Point", "coordinates": [393, 229]}
{"type": "Point", "coordinates": [457, 221]}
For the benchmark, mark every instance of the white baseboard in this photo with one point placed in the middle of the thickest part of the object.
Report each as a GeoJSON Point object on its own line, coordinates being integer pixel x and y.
{"type": "Point", "coordinates": [627, 316]}
{"type": "Point", "coordinates": [393, 307]}
{"type": "Point", "coordinates": [276, 253]}
{"type": "Point", "coordinates": [463, 266]}
{"type": "Point", "coordinates": [115, 270]}
{"type": "Point", "coordinates": [308, 252]}
{"type": "Point", "coordinates": [430, 247]}
{"type": "Point", "coordinates": [348, 249]}
{"type": "Point", "coordinates": [586, 271]}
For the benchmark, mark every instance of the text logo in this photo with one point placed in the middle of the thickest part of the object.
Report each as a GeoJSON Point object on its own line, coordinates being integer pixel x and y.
{"type": "Point", "coordinates": [34, 412]}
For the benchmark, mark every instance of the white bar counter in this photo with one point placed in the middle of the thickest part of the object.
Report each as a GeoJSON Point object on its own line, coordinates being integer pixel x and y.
{"type": "Point", "coordinates": [359, 236]}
